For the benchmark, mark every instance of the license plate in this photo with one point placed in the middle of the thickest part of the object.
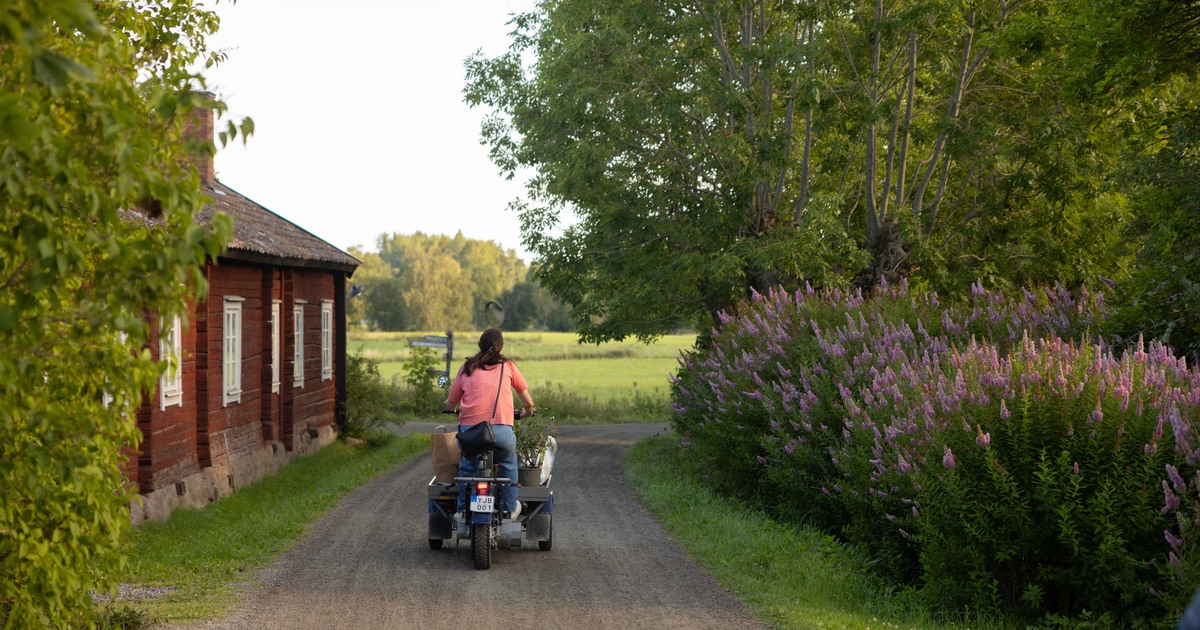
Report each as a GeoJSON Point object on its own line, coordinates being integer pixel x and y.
{"type": "Point", "coordinates": [483, 504]}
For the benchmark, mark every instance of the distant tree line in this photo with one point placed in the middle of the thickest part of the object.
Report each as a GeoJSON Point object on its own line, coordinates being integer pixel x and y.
{"type": "Point", "coordinates": [435, 282]}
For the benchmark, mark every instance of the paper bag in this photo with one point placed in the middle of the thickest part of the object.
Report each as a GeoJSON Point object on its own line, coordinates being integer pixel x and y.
{"type": "Point", "coordinates": [444, 448]}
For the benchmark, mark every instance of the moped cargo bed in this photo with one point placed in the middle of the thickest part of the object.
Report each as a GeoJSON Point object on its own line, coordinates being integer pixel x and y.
{"type": "Point", "coordinates": [446, 491]}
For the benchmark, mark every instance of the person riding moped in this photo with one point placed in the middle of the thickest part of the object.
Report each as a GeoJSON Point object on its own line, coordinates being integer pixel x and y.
{"type": "Point", "coordinates": [474, 394]}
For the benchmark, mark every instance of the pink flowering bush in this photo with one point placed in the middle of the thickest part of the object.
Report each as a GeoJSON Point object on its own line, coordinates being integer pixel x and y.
{"type": "Point", "coordinates": [970, 449]}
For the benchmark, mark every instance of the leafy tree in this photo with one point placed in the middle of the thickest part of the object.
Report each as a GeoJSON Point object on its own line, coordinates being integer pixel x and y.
{"type": "Point", "coordinates": [91, 119]}
{"type": "Point", "coordinates": [520, 306]}
{"type": "Point", "coordinates": [528, 305]}
{"type": "Point", "coordinates": [489, 271]}
{"type": "Point", "coordinates": [669, 130]}
{"type": "Point", "coordinates": [443, 282]}
{"type": "Point", "coordinates": [1163, 296]}
{"type": "Point", "coordinates": [712, 149]}
{"type": "Point", "coordinates": [435, 291]}
{"type": "Point", "coordinates": [381, 304]}
{"type": "Point", "coordinates": [1140, 61]}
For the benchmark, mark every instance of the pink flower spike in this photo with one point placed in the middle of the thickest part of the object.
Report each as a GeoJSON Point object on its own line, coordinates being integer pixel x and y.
{"type": "Point", "coordinates": [948, 459]}
{"type": "Point", "coordinates": [982, 439]}
{"type": "Point", "coordinates": [1171, 502]}
{"type": "Point", "coordinates": [1176, 480]}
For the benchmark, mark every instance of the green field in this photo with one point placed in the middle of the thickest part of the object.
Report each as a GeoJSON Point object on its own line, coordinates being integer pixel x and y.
{"type": "Point", "coordinates": [602, 372]}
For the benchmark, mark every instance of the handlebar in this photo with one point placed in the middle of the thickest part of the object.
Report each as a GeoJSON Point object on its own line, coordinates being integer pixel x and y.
{"type": "Point", "coordinates": [516, 413]}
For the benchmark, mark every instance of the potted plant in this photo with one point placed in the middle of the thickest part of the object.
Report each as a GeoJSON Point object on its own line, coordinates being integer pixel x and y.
{"type": "Point", "coordinates": [531, 447]}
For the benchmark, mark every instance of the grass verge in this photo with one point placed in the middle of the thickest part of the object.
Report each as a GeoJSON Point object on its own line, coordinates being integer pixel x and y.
{"type": "Point", "coordinates": [789, 577]}
{"type": "Point", "coordinates": [197, 559]}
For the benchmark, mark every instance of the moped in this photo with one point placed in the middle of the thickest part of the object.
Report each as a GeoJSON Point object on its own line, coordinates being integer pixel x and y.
{"type": "Point", "coordinates": [483, 522]}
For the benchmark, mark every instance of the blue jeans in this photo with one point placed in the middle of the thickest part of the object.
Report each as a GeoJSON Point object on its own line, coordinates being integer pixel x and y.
{"type": "Point", "coordinates": [505, 459]}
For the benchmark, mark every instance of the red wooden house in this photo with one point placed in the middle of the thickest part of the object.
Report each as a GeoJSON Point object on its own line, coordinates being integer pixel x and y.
{"type": "Point", "coordinates": [262, 357]}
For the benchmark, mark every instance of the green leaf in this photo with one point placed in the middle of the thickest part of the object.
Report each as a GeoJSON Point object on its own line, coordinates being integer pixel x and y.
{"type": "Point", "coordinates": [55, 70]}
{"type": "Point", "coordinates": [8, 317]}
{"type": "Point", "coordinates": [80, 16]}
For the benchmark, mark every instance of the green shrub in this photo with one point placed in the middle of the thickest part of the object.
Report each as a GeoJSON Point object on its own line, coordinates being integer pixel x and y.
{"type": "Point", "coordinates": [566, 404]}
{"type": "Point", "coordinates": [119, 616]}
{"type": "Point", "coordinates": [420, 394]}
{"type": "Point", "coordinates": [370, 402]}
{"type": "Point", "coordinates": [968, 449]}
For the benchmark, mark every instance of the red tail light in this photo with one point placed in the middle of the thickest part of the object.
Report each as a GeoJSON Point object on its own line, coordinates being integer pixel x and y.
{"type": "Point", "coordinates": [483, 488]}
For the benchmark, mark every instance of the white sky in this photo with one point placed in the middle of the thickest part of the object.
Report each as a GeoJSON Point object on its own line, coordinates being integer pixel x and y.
{"type": "Point", "coordinates": [360, 125]}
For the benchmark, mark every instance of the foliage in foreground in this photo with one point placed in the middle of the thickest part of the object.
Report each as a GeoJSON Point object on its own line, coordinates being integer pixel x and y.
{"type": "Point", "coordinates": [92, 113]}
{"type": "Point", "coordinates": [970, 449]}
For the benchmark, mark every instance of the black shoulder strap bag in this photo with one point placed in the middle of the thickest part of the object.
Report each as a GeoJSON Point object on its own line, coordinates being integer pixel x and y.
{"type": "Point", "coordinates": [478, 438]}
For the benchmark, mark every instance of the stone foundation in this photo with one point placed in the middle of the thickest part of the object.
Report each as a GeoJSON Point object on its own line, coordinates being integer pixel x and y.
{"type": "Point", "coordinates": [219, 481]}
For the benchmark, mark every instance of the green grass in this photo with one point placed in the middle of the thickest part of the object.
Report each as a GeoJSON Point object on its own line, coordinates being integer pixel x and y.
{"type": "Point", "coordinates": [603, 374]}
{"type": "Point", "coordinates": [520, 346]}
{"type": "Point", "coordinates": [204, 554]}
{"type": "Point", "coordinates": [602, 379]}
{"type": "Point", "coordinates": [789, 577]}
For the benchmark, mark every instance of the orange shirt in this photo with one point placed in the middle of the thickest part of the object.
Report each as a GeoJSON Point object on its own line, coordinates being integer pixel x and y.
{"type": "Point", "coordinates": [476, 394]}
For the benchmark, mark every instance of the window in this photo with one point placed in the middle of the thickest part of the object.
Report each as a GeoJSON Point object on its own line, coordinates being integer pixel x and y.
{"type": "Point", "coordinates": [298, 349]}
{"type": "Point", "coordinates": [232, 355]}
{"type": "Point", "coordinates": [276, 349]}
{"type": "Point", "coordinates": [170, 350]}
{"type": "Point", "coordinates": [107, 398]}
{"type": "Point", "coordinates": [326, 340]}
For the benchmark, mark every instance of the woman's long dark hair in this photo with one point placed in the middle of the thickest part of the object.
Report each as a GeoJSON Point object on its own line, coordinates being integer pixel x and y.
{"type": "Point", "coordinates": [491, 342]}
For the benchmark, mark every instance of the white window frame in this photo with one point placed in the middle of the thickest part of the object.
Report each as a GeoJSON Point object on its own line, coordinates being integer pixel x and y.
{"type": "Point", "coordinates": [170, 350]}
{"type": "Point", "coordinates": [231, 351]}
{"type": "Point", "coordinates": [298, 343]}
{"type": "Point", "coordinates": [276, 345]}
{"type": "Point", "coordinates": [107, 398]}
{"type": "Point", "coordinates": [326, 340]}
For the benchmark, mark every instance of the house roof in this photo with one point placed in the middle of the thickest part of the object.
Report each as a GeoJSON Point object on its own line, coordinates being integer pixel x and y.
{"type": "Point", "coordinates": [262, 236]}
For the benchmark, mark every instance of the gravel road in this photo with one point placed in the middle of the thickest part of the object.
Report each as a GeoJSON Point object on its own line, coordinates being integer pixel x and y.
{"type": "Point", "coordinates": [367, 563]}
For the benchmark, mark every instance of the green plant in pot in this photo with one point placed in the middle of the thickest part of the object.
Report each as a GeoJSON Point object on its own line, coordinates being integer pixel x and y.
{"type": "Point", "coordinates": [531, 447]}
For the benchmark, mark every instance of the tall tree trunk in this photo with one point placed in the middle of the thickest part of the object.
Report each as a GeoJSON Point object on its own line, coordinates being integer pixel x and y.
{"type": "Point", "coordinates": [966, 71]}
{"type": "Point", "coordinates": [873, 215]}
{"type": "Point", "coordinates": [910, 89]}
{"type": "Point", "coordinates": [802, 197]}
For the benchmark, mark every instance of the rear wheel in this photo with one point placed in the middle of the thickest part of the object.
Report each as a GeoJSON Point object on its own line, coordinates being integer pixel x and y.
{"type": "Point", "coordinates": [481, 546]}
{"type": "Point", "coordinates": [435, 543]}
{"type": "Point", "coordinates": [545, 545]}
